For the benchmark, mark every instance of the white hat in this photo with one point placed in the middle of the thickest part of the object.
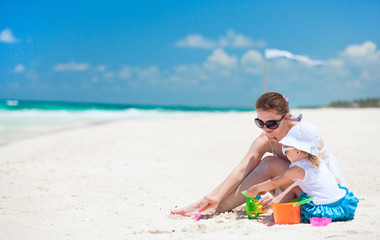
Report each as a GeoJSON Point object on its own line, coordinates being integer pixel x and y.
{"type": "Point", "coordinates": [303, 136]}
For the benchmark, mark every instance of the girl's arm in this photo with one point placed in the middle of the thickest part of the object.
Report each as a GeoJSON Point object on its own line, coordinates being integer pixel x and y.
{"type": "Point", "coordinates": [286, 177]}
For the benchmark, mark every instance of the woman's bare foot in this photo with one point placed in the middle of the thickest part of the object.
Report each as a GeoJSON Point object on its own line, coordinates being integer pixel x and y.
{"type": "Point", "coordinates": [207, 204]}
{"type": "Point", "coordinates": [187, 211]}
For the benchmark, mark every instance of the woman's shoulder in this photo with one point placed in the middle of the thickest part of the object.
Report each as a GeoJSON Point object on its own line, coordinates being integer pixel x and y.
{"type": "Point", "coordinates": [261, 144]}
{"type": "Point", "coordinates": [262, 139]}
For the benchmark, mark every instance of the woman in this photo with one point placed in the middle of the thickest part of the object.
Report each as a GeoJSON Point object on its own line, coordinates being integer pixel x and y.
{"type": "Point", "coordinates": [274, 119]}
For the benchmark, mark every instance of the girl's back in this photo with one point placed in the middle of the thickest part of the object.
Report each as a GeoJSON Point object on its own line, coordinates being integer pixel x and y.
{"type": "Point", "coordinates": [319, 183]}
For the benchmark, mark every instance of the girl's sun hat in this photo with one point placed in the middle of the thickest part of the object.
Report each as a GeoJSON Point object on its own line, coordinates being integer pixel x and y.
{"type": "Point", "coordinates": [303, 136]}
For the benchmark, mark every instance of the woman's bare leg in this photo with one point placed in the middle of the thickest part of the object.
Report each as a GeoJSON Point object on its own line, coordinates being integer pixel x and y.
{"type": "Point", "coordinates": [268, 168]}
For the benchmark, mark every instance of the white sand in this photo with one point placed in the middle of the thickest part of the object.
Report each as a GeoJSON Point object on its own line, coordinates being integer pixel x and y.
{"type": "Point", "coordinates": [120, 180]}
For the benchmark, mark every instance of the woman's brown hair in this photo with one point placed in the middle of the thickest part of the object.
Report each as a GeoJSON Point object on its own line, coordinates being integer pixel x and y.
{"type": "Point", "coordinates": [272, 101]}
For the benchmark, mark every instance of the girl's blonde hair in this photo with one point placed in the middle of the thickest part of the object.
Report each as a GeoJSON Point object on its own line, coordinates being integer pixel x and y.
{"type": "Point", "coordinates": [313, 159]}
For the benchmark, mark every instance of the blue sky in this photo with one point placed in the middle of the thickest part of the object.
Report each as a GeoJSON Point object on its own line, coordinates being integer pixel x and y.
{"type": "Point", "coordinates": [207, 53]}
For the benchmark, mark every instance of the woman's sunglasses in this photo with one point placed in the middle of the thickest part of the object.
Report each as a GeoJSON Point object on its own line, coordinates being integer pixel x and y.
{"type": "Point", "coordinates": [271, 124]}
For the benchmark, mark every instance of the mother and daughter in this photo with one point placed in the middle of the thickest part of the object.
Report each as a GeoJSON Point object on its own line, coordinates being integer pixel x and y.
{"type": "Point", "coordinates": [299, 155]}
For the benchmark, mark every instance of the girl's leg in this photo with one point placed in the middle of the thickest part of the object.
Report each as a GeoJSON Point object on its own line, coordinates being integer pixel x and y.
{"type": "Point", "coordinates": [268, 168]}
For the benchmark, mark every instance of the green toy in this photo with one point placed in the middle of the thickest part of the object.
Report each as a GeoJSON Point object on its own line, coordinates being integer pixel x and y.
{"type": "Point", "coordinates": [253, 206]}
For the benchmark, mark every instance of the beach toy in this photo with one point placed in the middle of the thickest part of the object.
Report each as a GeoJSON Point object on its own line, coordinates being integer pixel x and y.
{"type": "Point", "coordinates": [198, 215]}
{"type": "Point", "coordinates": [289, 212]}
{"type": "Point", "coordinates": [319, 222]}
{"type": "Point", "coordinates": [253, 206]}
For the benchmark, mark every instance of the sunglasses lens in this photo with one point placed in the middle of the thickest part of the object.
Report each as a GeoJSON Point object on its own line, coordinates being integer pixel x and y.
{"type": "Point", "coordinates": [259, 123]}
{"type": "Point", "coordinates": [271, 124]}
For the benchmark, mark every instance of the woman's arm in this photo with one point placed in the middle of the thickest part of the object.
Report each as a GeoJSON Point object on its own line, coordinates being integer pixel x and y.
{"type": "Point", "coordinates": [286, 177]}
{"type": "Point", "coordinates": [258, 148]}
{"type": "Point", "coordinates": [331, 163]}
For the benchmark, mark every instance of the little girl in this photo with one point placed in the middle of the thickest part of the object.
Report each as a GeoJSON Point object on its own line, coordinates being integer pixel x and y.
{"type": "Point", "coordinates": [330, 200]}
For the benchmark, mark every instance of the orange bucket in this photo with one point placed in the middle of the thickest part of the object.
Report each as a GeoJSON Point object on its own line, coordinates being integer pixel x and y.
{"type": "Point", "coordinates": [289, 212]}
{"type": "Point", "coordinates": [286, 213]}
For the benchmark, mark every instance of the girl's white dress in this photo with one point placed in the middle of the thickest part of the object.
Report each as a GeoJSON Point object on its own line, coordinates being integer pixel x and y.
{"type": "Point", "coordinates": [329, 199]}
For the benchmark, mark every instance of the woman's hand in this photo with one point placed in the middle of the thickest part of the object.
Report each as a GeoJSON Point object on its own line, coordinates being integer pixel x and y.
{"type": "Point", "coordinates": [208, 205]}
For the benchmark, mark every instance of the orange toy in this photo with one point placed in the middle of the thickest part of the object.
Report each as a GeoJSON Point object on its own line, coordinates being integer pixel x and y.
{"type": "Point", "coordinates": [289, 212]}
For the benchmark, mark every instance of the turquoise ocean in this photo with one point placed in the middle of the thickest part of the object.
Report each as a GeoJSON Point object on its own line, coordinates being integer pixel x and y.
{"type": "Point", "coordinates": [20, 119]}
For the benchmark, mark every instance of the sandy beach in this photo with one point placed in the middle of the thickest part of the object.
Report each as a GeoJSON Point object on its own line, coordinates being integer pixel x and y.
{"type": "Point", "coordinates": [119, 180]}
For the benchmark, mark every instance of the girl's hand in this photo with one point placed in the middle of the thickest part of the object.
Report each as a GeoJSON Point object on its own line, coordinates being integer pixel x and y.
{"type": "Point", "coordinates": [266, 200]}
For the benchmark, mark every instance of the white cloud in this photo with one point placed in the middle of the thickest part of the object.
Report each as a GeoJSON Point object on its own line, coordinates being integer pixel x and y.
{"type": "Point", "coordinates": [230, 40]}
{"type": "Point", "coordinates": [6, 36]}
{"type": "Point", "coordinates": [238, 41]}
{"type": "Point", "coordinates": [362, 55]}
{"type": "Point", "coordinates": [335, 62]}
{"type": "Point", "coordinates": [148, 73]}
{"type": "Point", "coordinates": [125, 72]}
{"type": "Point", "coordinates": [335, 67]}
{"type": "Point", "coordinates": [101, 68]}
{"type": "Point", "coordinates": [71, 66]}
{"type": "Point", "coordinates": [32, 74]}
{"type": "Point", "coordinates": [368, 48]}
{"type": "Point", "coordinates": [151, 74]}
{"type": "Point", "coordinates": [252, 62]}
{"type": "Point", "coordinates": [95, 79]}
{"type": "Point", "coordinates": [220, 58]}
{"type": "Point", "coordinates": [108, 75]}
{"type": "Point", "coordinates": [220, 63]}
{"type": "Point", "coordinates": [196, 41]}
{"type": "Point", "coordinates": [189, 75]}
{"type": "Point", "coordinates": [181, 68]}
{"type": "Point", "coordinates": [363, 58]}
{"type": "Point", "coordinates": [19, 68]}
{"type": "Point", "coordinates": [353, 72]}
{"type": "Point", "coordinates": [284, 63]}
